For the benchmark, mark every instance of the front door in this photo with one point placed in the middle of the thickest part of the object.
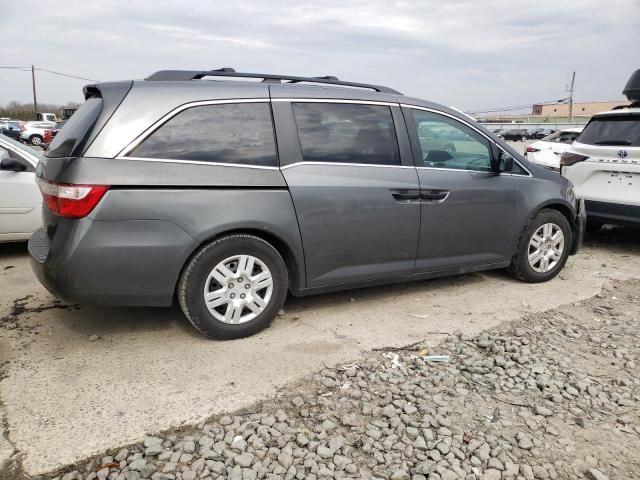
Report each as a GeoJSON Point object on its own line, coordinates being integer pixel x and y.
{"type": "Point", "coordinates": [354, 189]}
{"type": "Point", "coordinates": [20, 198]}
{"type": "Point", "coordinates": [468, 212]}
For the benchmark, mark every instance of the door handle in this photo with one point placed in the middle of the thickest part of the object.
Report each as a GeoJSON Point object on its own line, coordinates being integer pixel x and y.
{"type": "Point", "coordinates": [406, 195]}
{"type": "Point", "coordinates": [434, 195]}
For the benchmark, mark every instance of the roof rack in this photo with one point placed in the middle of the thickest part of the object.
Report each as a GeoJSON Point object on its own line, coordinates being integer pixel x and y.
{"type": "Point", "coordinates": [184, 75]}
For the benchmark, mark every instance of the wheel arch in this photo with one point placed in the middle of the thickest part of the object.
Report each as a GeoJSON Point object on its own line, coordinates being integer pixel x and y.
{"type": "Point", "coordinates": [562, 207]}
{"type": "Point", "coordinates": [293, 262]}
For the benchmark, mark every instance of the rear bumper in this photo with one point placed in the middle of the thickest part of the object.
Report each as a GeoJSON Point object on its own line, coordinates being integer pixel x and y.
{"type": "Point", "coordinates": [579, 227]}
{"type": "Point", "coordinates": [130, 263]}
{"type": "Point", "coordinates": [616, 213]}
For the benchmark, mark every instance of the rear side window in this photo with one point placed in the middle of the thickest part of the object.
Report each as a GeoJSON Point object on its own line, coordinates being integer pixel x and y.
{"type": "Point", "coordinates": [346, 133]}
{"type": "Point", "coordinates": [236, 133]}
{"type": "Point", "coordinates": [614, 130]}
{"type": "Point", "coordinates": [76, 130]}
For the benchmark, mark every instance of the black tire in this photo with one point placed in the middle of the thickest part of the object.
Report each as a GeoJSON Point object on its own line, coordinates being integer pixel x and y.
{"type": "Point", "coordinates": [36, 140]}
{"type": "Point", "coordinates": [196, 272]}
{"type": "Point", "coordinates": [520, 267]}
{"type": "Point", "coordinates": [594, 226]}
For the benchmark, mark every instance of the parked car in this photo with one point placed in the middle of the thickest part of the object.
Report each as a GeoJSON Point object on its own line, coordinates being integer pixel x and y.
{"type": "Point", "coordinates": [36, 133]}
{"type": "Point", "coordinates": [20, 198]}
{"type": "Point", "coordinates": [546, 152]}
{"type": "Point", "coordinates": [171, 187]}
{"type": "Point", "coordinates": [11, 128]}
{"type": "Point", "coordinates": [56, 128]}
{"type": "Point", "coordinates": [515, 134]}
{"type": "Point", "coordinates": [540, 133]}
{"type": "Point", "coordinates": [604, 163]}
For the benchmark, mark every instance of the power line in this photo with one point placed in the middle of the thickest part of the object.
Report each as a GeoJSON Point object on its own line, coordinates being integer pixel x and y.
{"type": "Point", "coordinates": [27, 69]}
{"type": "Point", "coordinates": [67, 75]}
{"type": "Point", "coordinates": [516, 107]}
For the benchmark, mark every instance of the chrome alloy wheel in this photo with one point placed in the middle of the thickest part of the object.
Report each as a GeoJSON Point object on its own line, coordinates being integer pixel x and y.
{"type": "Point", "coordinates": [238, 289]}
{"type": "Point", "coordinates": [546, 247]}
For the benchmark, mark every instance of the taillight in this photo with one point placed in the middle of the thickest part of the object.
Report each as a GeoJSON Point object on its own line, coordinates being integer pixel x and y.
{"type": "Point", "coordinates": [568, 158]}
{"type": "Point", "coordinates": [71, 201]}
{"type": "Point", "coordinates": [532, 149]}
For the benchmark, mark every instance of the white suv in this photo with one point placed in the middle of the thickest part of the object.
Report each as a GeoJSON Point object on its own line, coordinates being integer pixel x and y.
{"type": "Point", "coordinates": [604, 166]}
{"type": "Point", "coordinates": [604, 163]}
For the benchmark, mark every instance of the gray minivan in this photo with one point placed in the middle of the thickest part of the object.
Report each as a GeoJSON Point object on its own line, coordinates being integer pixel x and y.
{"type": "Point", "coordinates": [225, 194]}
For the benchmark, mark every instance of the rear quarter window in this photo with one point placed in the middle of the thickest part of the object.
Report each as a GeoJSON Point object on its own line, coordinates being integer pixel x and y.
{"type": "Point", "coordinates": [614, 130]}
{"type": "Point", "coordinates": [71, 139]}
{"type": "Point", "coordinates": [235, 133]}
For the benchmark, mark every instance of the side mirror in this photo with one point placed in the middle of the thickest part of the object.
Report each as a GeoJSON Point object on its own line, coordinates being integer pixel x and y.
{"type": "Point", "coordinates": [500, 161]}
{"type": "Point", "coordinates": [505, 162]}
{"type": "Point", "coordinates": [11, 165]}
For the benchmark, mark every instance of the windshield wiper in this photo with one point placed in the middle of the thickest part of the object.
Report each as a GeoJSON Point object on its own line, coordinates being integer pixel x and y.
{"type": "Point", "coordinates": [613, 142]}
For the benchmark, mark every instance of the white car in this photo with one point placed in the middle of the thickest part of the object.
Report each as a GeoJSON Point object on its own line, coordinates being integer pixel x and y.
{"type": "Point", "coordinates": [36, 132]}
{"type": "Point", "coordinates": [604, 166]}
{"type": "Point", "coordinates": [547, 151]}
{"type": "Point", "coordinates": [20, 197]}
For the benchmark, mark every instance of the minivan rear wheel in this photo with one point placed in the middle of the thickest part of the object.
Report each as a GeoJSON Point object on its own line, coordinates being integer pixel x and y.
{"type": "Point", "coordinates": [233, 287]}
{"type": "Point", "coordinates": [543, 247]}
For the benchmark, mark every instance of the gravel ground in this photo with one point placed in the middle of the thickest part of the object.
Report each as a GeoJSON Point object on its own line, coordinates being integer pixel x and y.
{"type": "Point", "coordinates": [550, 396]}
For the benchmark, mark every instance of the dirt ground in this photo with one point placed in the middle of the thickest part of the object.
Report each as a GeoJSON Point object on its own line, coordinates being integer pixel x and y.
{"type": "Point", "coordinates": [553, 395]}
{"type": "Point", "coordinates": [78, 380]}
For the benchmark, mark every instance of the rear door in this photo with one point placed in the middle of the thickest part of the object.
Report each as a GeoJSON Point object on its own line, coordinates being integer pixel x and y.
{"type": "Point", "coordinates": [469, 214]}
{"type": "Point", "coordinates": [349, 169]}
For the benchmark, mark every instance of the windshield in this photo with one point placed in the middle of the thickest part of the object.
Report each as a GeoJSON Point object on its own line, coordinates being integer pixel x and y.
{"type": "Point", "coordinates": [615, 130]}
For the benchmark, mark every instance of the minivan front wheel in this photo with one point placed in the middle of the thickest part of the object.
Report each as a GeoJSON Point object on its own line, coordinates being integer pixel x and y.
{"type": "Point", "coordinates": [543, 248]}
{"type": "Point", "coordinates": [233, 287]}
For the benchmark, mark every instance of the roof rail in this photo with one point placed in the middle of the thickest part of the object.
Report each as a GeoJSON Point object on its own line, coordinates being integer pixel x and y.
{"type": "Point", "coordinates": [184, 75]}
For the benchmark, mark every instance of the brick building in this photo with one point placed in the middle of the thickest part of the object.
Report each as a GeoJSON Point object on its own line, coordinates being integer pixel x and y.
{"type": "Point", "coordinates": [586, 109]}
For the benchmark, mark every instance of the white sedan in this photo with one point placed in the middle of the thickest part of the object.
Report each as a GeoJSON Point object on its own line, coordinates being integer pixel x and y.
{"type": "Point", "coordinates": [20, 197]}
{"type": "Point", "coordinates": [546, 152]}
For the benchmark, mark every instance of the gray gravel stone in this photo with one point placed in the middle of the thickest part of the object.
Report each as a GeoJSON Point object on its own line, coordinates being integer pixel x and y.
{"type": "Point", "coordinates": [524, 441]}
{"type": "Point", "coordinates": [542, 410]}
{"type": "Point", "coordinates": [243, 460]}
{"type": "Point", "coordinates": [491, 474]}
{"type": "Point", "coordinates": [400, 475]}
{"type": "Point", "coordinates": [595, 474]}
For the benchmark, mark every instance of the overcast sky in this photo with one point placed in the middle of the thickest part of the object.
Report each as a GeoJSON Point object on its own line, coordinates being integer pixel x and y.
{"type": "Point", "coordinates": [468, 53]}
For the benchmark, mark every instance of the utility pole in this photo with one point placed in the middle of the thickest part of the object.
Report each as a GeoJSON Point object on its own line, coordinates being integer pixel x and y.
{"type": "Point", "coordinates": [573, 79]}
{"type": "Point", "coordinates": [35, 102]}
